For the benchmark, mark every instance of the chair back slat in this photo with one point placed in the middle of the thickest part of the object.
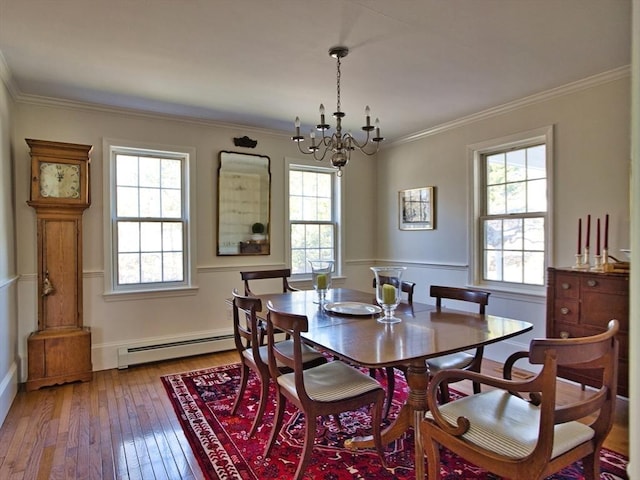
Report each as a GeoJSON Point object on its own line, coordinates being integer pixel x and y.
{"type": "Point", "coordinates": [283, 274]}
{"type": "Point", "coordinates": [462, 294]}
{"type": "Point", "coordinates": [577, 352]}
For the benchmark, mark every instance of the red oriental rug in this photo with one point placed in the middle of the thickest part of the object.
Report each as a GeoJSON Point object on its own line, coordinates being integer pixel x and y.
{"type": "Point", "coordinates": [203, 399]}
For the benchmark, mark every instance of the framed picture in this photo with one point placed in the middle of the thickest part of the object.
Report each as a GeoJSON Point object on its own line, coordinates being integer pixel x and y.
{"type": "Point", "coordinates": [416, 209]}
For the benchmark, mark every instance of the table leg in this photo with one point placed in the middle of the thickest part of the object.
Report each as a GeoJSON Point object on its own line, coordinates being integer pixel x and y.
{"type": "Point", "coordinates": [409, 416]}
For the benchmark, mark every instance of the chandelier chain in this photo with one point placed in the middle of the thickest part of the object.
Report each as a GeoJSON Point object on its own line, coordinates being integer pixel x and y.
{"type": "Point", "coordinates": [338, 84]}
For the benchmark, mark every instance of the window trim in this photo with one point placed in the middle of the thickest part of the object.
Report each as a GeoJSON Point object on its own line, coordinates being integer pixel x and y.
{"type": "Point", "coordinates": [338, 213]}
{"type": "Point", "coordinates": [188, 285]}
{"type": "Point", "coordinates": [475, 152]}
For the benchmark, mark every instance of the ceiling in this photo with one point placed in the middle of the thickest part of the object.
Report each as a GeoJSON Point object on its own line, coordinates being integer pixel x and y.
{"type": "Point", "coordinates": [261, 63]}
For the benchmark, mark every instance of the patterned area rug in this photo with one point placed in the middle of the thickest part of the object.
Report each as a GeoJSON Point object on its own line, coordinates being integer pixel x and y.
{"type": "Point", "coordinates": [203, 399]}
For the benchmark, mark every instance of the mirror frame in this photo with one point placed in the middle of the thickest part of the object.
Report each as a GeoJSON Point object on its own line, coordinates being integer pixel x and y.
{"type": "Point", "coordinates": [230, 198]}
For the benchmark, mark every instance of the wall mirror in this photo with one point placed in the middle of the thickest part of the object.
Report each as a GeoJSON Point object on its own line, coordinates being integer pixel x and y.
{"type": "Point", "coordinates": [244, 204]}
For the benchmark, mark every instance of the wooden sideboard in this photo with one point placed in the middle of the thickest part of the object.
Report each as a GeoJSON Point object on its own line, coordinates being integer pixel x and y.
{"type": "Point", "coordinates": [581, 303]}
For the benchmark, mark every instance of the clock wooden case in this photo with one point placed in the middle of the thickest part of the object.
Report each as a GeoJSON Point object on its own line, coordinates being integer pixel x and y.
{"type": "Point", "coordinates": [60, 350]}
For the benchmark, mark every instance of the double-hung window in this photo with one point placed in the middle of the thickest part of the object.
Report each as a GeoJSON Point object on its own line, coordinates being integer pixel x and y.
{"type": "Point", "coordinates": [313, 216]}
{"type": "Point", "coordinates": [149, 219]}
{"type": "Point", "coordinates": [512, 226]}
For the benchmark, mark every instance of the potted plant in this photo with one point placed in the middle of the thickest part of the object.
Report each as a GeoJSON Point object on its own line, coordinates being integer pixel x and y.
{"type": "Point", "coordinates": [258, 230]}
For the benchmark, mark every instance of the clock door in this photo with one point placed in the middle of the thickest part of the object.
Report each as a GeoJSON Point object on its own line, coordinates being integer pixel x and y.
{"type": "Point", "coordinates": [61, 307]}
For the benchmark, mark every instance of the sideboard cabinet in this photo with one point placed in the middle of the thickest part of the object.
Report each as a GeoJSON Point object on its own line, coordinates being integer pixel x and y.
{"type": "Point", "coordinates": [581, 303]}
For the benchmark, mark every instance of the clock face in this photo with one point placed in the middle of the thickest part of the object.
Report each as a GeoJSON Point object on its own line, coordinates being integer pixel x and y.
{"type": "Point", "coordinates": [59, 180]}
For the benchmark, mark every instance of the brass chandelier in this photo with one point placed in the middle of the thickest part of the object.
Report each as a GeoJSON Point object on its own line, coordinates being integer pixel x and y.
{"type": "Point", "coordinates": [338, 143]}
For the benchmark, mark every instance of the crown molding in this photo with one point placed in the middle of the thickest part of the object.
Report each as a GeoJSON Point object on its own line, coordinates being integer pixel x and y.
{"type": "Point", "coordinates": [7, 78]}
{"type": "Point", "coordinates": [589, 82]}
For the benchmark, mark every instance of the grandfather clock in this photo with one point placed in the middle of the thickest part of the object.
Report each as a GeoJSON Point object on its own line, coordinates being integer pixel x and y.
{"type": "Point", "coordinates": [60, 350]}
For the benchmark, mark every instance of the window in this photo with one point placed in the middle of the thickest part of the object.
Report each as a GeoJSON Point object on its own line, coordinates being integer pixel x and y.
{"type": "Point", "coordinates": [512, 210]}
{"type": "Point", "coordinates": [149, 219]}
{"type": "Point", "coordinates": [313, 224]}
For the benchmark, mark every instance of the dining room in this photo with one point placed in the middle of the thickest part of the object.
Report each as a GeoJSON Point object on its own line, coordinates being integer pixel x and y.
{"type": "Point", "coordinates": [583, 125]}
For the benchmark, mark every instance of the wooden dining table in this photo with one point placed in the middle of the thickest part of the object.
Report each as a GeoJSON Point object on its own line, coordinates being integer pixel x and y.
{"type": "Point", "coordinates": [422, 333]}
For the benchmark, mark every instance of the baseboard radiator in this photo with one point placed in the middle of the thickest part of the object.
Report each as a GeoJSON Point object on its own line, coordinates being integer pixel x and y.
{"type": "Point", "coordinates": [165, 351]}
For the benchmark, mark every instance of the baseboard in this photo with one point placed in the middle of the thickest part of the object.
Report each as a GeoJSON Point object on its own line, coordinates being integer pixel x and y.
{"type": "Point", "coordinates": [8, 391]}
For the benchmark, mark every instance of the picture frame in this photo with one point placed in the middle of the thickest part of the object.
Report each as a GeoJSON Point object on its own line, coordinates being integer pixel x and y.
{"type": "Point", "coordinates": [416, 209]}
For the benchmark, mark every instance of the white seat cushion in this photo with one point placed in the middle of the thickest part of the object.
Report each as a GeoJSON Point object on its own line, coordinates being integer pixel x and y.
{"type": "Point", "coordinates": [508, 425]}
{"type": "Point", "coordinates": [331, 381]}
{"type": "Point", "coordinates": [446, 362]}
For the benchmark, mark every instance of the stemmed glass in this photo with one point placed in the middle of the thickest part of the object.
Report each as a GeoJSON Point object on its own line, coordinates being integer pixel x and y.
{"type": "Point", "coordinates": [388, 291]}
{"type": "Point", "coordinates": [321, 276]}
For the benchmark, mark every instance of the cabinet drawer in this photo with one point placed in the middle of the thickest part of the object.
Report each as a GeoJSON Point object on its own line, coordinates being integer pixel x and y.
{"type": "Point", "coordinates": [566, 311]}
{"type": "Point", "coordinates": [604, 284]}
{"type": "Point", "coordinates": [567, 286]}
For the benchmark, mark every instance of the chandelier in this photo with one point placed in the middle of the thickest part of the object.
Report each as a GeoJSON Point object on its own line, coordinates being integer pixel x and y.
{"type": "Point", "coordinates": [338, 143]}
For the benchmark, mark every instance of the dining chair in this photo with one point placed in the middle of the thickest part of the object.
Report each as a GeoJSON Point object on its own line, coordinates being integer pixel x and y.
{"type": "Point", "coordinates": [461, 360]}
{"type": "Point", "coordinates": [328, 389]}
{"type": "Point", "coordinates": [283, 274]}
{"type": "Point", "coordinates": [505, 434]}
{"type": "Point", "coordinates": [254, 355]}
{"type": "Point", "coordinates": [408, 288]}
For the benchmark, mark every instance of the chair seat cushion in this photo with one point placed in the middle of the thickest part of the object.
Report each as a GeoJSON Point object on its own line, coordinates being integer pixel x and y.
{"type": "Point", "coordinates": [331, 381]}
{"type": "Point", "coordinates": [308, 353]}
{"type": "Point", "coordinates": [508, 425]}
{"type": "Point", "coordinates": [453, 360]}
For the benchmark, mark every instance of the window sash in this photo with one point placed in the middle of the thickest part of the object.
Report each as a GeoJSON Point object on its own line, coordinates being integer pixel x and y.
{"type": "Point", "coordinates": [160, 260]}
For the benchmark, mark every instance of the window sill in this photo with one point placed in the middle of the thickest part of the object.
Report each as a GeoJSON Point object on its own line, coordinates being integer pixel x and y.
{"type": "Point", "coordinates": [113, 296]}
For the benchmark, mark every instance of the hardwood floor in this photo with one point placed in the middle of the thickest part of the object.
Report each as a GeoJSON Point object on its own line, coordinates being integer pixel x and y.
{"type": "Point", "coordinates": [122, 426]}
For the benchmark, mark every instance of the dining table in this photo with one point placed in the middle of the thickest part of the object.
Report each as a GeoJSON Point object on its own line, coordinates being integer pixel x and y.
{"type": "Point", "coordinates": [347, 326]}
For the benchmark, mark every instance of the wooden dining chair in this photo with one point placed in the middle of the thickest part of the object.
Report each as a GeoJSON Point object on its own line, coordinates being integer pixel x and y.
{"type": "Point", "coordinates": [283, 274]}
{"type": "Point", "coordinates": [505, 434]}
{"type": "Point", "coordinates": [328, 389]}
{"type": "Point", "coordinates": [462, 360]}
{"type": "Point", "coordinates": [408, 288]}
{"type": "Point", "coordinates": [254, 355]}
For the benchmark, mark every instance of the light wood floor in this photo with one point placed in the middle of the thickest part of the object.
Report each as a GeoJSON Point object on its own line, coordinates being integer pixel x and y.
{"type": "Point", "coordinates": [122, 426]}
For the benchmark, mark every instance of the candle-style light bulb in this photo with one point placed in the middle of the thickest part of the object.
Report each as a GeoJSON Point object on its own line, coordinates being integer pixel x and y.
{"type": "Point", "coordinates": [312, 134]}
{"type": "Point", "coordinates": [377, 123]}
{"type": "Point", "coordinates": [321, 109]}
{"type": "Point", "coordinates": [297, 122]}
{"type": "Point", "coordinates": [367, 113]}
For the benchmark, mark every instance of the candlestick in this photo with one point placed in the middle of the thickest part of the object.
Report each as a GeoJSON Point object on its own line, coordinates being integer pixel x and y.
{"type": "Point", "coordinates": [588, 231]}
{"type": "Point", "coordinates": [579, 235]}
{"type": "Point", "coordinates": [598, 237]}
{"type": "Point", "coordinates": [606, 231]}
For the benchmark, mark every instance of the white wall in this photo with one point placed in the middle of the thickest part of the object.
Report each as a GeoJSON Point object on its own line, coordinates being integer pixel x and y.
{"type": "Point", "coordinates": [591, 170]}
{"type": "Point", "coordinates": [8, 278]}
{"type": "Point", "coordinates": [138, 319]}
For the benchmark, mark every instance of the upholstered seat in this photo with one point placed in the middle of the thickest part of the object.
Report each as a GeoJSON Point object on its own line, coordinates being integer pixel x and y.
{"type": "Point", "coordinates": [509, 426]}
{"type": "Point", "coordinates": [505, 434]}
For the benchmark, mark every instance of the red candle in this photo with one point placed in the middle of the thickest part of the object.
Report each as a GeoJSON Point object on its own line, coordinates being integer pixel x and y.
{"type": "Point", "coordinates": [588, 231]}
{"type": "Point", "coordinates": [598, 237]}
{"type": "Point", "coordinates": [579, 236]}
{"type": "Point", "coordinates": [606, 231]}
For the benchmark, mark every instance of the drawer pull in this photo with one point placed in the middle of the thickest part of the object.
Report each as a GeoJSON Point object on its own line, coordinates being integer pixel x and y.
{"type": "Point", "coordinates": [564, 311]}
{"type": "Point", "coordinates": [566, 286]}
{"type": "Point", "coordinates": [592, 283]}
{"type": "Point", "coordinates": [564, 334]}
